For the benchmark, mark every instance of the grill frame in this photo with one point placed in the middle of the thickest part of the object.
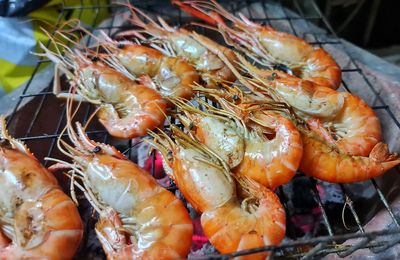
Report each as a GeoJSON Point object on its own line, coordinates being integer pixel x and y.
{"type": "Point", "coordinates": [319, 245]}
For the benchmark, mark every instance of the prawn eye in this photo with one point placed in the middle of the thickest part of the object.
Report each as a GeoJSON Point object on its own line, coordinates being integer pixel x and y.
{"type": "Point", "coordinates": [95, 58]}
{"type": "Point", "coordinates": [120, 45]}
{"type": "Point", "coordinates": [169, 154]}
{"type": "Point", "coordinates": [272, 77]}
{"type": "Point", "coordinates": [96, 149]}
{"type": "Point", "coordinates": [4, 142]}
{"type": "Point", "coordinates": [235, 98]}
{"type": "Point", "coordinates": [283, 68]}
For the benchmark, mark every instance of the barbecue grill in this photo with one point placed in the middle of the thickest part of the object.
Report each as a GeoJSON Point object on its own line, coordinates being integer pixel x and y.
{"type": "Point", "coordinates": [38, 117]}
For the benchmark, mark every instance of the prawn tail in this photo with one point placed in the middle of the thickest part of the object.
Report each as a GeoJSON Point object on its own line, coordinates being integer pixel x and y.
{"type": "Point", "coordinates": [380, 153]}
{"type": "Point", "coordinates": [16, 144]}
{"type": "Point", "coordinates": [250, 187]}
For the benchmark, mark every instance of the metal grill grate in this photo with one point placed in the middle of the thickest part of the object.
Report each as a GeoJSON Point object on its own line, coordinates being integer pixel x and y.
{"type": "Point", "coordinates": [40, 120]}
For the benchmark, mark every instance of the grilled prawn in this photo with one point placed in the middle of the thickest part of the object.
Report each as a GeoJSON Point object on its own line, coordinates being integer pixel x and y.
{"type": "Point", "coordinates": [230, 223]}
{"type": "Point", "coordinates": [125, 108]}
{"type": "Point", "coordinates": [303, 95]}
{"type": "Point", "coordinates": [346, 148]}
{"type": "Point", "coordinates": [138, 218]}
{"type": "Point", "coordinates": [37, 220]}
{"type": "Point", "coordinates": [267, 46]}
{"type": "Point", "coordinates": [254, 141]}
{"type": "Point", "coordinates": [187, 44]}
{"type": "Point", "coordinates": [173, 75]}
{"type": "Point", "coordinates": [272, 161]}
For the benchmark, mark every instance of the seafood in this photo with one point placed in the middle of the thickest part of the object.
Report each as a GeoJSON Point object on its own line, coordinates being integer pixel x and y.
{"type": "Point", "coordinates": [183, 43]}
{"type": "Point", "coordinates": [230, 223]}
{"type": "Point", "coordinates": [304, 96]}
{"type": "Point", "coordinates": [138, 218]}
{"type": "Point", "coordinates": [273, 145]}
{"type": "Point", "coordinates": [326, 162]}
{"type": "Point", "coordinates": [344, 146]}
{"type": "Point", "coordinates": [174, 76]}
{"type": "Point", "coordinates": [272, 161]}
{"type": "Point", "coordinates": [355, 130]}
{"type": "Point", "coordinates": [267, 46]}
{"type": "Point", "coordinates": [37, 220]}
{"type": "Point", "coordinates": [126, 109]}
{"type": "Point", "coordinates": [239, 136]}
{"type": "Point", "coordinates": [340, 145]}
{"type": "Point", "coordinates": [219, 130]}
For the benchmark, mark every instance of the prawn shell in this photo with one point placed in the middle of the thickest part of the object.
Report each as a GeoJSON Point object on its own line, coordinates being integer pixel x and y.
{"type": "Point", "coordinates": [307, 62]}
{"type": "Point", "coordinates": [362, 126]}
{"type": "Point", "coordinates": [273, 162]}
{"type": "Point", "coordinates": [148, 113]}
{"type": "Point", "coordinates": [221, 138]}
{"type": "Point", "coordinates": [203, 185]}
{"type": "Point", "coordinates": [46, 221]}
{"type": "Point", "coordinates": [173, 75]}
{"type": "Point", "coordinates": [230, 228]}
{"type": "Point", "coordinates": [326, 163]}
{"type": "Point", "coordinates": [164, 227]}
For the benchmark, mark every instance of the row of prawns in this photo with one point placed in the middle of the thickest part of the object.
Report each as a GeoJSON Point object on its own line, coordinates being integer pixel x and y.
{"type": "Point", "coordinates": [226, 159]}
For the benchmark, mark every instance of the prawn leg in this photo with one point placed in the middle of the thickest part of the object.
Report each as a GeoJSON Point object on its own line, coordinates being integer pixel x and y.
{"type": "Point", "coordinates": [109, 230]}
{"type": "Point", "coordinates": [57, 87]}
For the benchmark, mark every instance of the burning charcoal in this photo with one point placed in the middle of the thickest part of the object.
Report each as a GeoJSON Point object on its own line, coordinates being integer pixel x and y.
{"type": "Point", "coordinates": [207, 249]}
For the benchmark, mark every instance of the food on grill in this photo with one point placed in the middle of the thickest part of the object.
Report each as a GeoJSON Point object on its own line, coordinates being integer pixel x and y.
{"type": "Point", "coordinates": [349, 138]}
{"type": "Point", "coordinates": [345, 138]}
{"type": "Point", "coordinates": [138, 218]}
{"type": "Point", "coordinates": [183, 43]}
{"type": "Point", "coordinates": [266, 46]}
{"type": "Point", "coordinates": [326, 162]}
{"type": "Point", "coordinates": [125, 108]}
{"type": "Point", "coordinates": [274, 160]}
{"type": "Point", "coordinates": [37, 220]}
{"type": "Point", "coordinates": [249, 217]}
{"type": "Point", "coordinates": [230, 154]}
{"type": "Point", "coordinates": [303, 95]}
{"type": "Point", "coordinates": [221, 131]}
{"type": "Point", "coordinates": [174, 76]}
{"type": "Point", "coordinates": [272, 144]}
{"type": "Point", "coordinates": [355, 130]}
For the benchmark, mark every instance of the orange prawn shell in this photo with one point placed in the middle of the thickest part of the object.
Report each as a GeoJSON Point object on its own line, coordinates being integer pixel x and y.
{"type": "Point", "coordinates": [364, 119]}
{"type": "Point", "coordinates": [328, 164]}
{"type": "Point", "coordinates": [231, 229]}
{"type": "Point", "coordinates": [61, 225]}
{"type": "Point", "coordinates": [283, 166]}
{"type": "Point", "coordinates": [152, 116]}
{"type": "Point", "coordinates": [143, 107]}
{"type": "Point", "coordinates": [152, 203]}
{"type": "Point", "coordinates": [141, 60]}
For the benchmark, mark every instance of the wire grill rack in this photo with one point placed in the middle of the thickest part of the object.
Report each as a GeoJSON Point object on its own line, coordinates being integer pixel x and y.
{"type": "Point", "coordinates": [40, 121]}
